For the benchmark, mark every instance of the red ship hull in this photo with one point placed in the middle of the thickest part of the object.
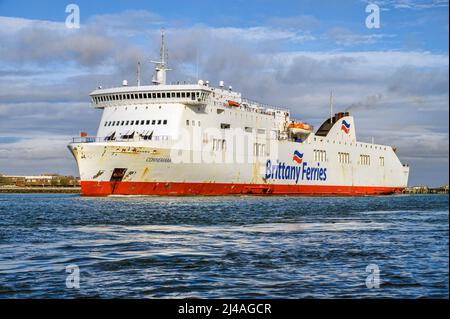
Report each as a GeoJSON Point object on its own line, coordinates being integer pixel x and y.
{"type": "Point", "coordinates": [90, 188]}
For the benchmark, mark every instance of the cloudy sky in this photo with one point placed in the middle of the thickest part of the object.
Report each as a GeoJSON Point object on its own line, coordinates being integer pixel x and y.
{"type": "Point", "coordinates": [393, 79]}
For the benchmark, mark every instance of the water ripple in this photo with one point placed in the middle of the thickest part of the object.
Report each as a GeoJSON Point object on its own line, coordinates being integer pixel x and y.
{"type": "Point", "coordinates": [223, 247]}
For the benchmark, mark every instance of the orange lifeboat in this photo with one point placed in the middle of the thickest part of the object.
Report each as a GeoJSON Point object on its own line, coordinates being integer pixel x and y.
{"type": "Point", "coordinates": [233, 103]}
{"type": "Point", "coordinates": [300, 126]}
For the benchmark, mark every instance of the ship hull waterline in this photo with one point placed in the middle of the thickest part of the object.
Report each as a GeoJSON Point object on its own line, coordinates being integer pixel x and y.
{"type": "Point", "coordinates": [104, 188]}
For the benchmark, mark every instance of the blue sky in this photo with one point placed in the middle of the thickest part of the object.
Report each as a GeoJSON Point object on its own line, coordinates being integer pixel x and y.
{"type": "Point", "coordinates": [393, 79]}
{"type": "Point", "coordinates": [419, 25]}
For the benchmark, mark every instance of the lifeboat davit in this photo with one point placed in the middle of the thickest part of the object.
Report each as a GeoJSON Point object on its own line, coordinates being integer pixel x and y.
{"type": "Point", "coordinates": [300, 128]}
{"type": "Point", "coordinates": [233, 103]}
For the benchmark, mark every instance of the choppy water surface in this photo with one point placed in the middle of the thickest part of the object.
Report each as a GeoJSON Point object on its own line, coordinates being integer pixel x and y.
{"type": "Point", "coordinates": [225, 247]}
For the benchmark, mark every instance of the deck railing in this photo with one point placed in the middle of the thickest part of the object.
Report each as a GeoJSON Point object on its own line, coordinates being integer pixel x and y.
{"type": "Point", "coordinates": [107, 139]}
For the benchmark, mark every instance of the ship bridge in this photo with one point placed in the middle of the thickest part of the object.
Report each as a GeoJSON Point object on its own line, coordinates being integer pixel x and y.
{"type": "Point", "coordinates": [188, 94]}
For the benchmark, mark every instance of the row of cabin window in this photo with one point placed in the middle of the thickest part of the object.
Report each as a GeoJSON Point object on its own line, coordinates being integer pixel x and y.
{"type": "Point", "coordinates": [351, 144]}
{"type": "Point", "coordinates": [137, 122]}
{"type": "Point", "coordinates": [156, 95]}
{"type": "Point", "coordinates": [344, 158]}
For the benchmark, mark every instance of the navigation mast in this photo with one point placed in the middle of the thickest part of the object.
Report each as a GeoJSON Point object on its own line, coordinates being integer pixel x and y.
{"type": "Point", "coordinates": [159, 78]}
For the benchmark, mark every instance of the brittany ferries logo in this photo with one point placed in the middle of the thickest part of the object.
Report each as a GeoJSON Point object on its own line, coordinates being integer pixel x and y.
{"type": "Point", "coordinates": [298, 157]}
{"type": "Point", "coordinates": [303, 171]}
{"type": "Point", "coordinates": [345, 126]}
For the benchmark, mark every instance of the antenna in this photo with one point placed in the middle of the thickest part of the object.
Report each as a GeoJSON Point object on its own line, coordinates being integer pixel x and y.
{"type": "Point", "coordinates": [160, 66]}
{"type": "Point", "coordinates": [139, 73]}
{"type": "Point", "coordinates": [163, 54]}
{"type": "Point", "coordinates": [197, 65]}
{"type": "Point", "coordinates": [331, 106]}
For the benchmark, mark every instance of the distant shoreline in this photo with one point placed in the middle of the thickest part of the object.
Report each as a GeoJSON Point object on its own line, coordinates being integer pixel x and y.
{"type": "Point", "coordinates": [37, 190]}
{"type": "Point", "coordinates": [77, 190]}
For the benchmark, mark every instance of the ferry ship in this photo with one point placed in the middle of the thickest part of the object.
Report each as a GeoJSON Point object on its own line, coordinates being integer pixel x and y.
{"type": "Point", "coordinates": [197, 139]}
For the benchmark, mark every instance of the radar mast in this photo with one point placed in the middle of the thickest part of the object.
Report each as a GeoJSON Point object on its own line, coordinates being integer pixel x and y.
{"type": "Point", "coordinates": [159, 78]}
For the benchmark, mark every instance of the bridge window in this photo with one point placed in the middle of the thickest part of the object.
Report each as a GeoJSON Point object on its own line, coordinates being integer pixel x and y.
{"type": "Point", "coordinates": [165, 122]}
{"type": "Point", "coordinates": [132, 122]}
{"type": "Point", "coordinates": [147, 122]}
{"type": "Point", "coordinates": [183, 95]}
{"type": "Point", "coordinates": [142, 122]}
{"type": "Point", "coordinates": [153, 122]}
{"type": "Point", "coordinates": [159, 122]}
{"type": "Point", "coordinates": [178, 94]}
{"type": "Point", "coordinates": [381, 161]}
{"type": "Point", "coordinates": [122, 123]}
{"type": "Point", "coordinates": [127, 122]}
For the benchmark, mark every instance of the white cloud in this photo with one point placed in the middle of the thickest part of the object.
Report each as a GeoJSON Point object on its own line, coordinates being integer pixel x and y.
{"type": "Point", "coordinates": [409, 4]}
{"type": "Point", "coordinates": [345, 37]}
